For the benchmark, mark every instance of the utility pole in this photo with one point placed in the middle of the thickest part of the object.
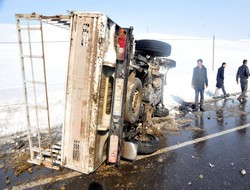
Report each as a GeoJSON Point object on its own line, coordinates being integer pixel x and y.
{"type": "Point", "coordinates": [213, 54]}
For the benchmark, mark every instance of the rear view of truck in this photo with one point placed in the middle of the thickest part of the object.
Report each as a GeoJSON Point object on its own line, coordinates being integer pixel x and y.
{"type": "Point", "coordinates": [114, 87]}
{"type": "Point", "coordinates": [96, 84]}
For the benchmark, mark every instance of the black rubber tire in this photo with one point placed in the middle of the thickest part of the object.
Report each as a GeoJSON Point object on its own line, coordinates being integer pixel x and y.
{"type": "Point", "coordinates": [148, 146]}
{"type": "Point", "coordinates": [133, 100]}
{"type": "Point", "coordinates": [153, 48]}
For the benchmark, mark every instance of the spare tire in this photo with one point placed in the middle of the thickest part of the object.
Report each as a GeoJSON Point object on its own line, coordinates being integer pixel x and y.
{"type": "Point", "coordinates": [148, 145]}
{"type": "Point", "coordinates": [153, 48]}
{"type": "Point", "coordinates": [133, 100]}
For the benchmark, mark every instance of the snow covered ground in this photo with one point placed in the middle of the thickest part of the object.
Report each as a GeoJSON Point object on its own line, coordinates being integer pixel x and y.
{"type": "Point", "coordinates": [185, 51]}
{"type": "Point", "coordinates": [12, 110]}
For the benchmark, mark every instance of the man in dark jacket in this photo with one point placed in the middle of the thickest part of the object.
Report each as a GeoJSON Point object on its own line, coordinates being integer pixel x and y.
{"type": "Point", "coordinates": [220, 81]}
{"type": "Point", "coordinates": [199, 80]}
{"type": "Point", "coordinates": [243, 74]}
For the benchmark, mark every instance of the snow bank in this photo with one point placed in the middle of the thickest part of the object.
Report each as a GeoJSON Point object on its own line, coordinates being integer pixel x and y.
{"type": "Point", "coordinates": [185, 51]}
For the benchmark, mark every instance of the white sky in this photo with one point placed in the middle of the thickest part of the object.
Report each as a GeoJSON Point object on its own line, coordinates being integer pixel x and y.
{"type": "Point", "coordinates": [226, 19]}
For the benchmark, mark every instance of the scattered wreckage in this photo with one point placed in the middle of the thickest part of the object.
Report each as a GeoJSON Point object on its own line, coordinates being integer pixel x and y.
{"type": "Point", "coordinates": [114, 87]}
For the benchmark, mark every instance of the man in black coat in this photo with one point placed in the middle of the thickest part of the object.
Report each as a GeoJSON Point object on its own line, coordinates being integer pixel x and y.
{"type": "Point", "coordinates": [220, 81]}
{"type": "Point", "coordinates": [243, 74]}
{"type": "Point", "coordinates": [199, 80]}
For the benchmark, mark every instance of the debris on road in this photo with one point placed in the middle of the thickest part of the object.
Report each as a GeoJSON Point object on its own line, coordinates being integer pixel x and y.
{"type": "Point", "coordinates": [160, 159]}
{"type": "Point", "coordinates": [243, 172]}
{"type": "Point", "coordinates": [1, 166]}
{"type": "Point", "coordinates": [20, 144]}
{"type": "Point", "coordinates": [7, 180]}
{"type": "Point", "coordinates": [211, 165]}
{"type": "Point", "coordinates": [186, 107]}
{"type": "Point", "coordinates": [164, 126]}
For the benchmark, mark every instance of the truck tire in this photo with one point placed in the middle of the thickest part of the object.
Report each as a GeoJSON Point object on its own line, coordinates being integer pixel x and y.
{"type": "Point", "coordinates": [133, 100]}
{"type": "Point", "coordinates": [153, 48]}
{"type": "Point", "coordinates": [148, 145]}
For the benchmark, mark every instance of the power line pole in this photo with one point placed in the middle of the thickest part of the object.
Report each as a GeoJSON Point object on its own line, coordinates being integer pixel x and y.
{"type": "Point", "coordinates": [213, 53]}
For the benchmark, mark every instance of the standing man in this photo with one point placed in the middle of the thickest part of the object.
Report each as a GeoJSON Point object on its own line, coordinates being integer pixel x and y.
{"type": "Point", "coordinates": [199, 81]}
{"type": "Point", "coordinates": [243, 73]}
{"type": "Point", "coordinates": [220, 81]}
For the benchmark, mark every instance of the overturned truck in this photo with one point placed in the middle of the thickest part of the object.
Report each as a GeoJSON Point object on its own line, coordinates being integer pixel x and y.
{"type": "Point", "coordinates": [114, 87]}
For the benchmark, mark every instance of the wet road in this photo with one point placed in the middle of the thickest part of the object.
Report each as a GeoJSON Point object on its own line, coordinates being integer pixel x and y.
{"type": "Point", "coordinates": [210, 157]}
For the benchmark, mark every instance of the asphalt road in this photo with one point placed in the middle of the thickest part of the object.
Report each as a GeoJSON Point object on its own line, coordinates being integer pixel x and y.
{"type": "Point", "coordinates": [211, 156]}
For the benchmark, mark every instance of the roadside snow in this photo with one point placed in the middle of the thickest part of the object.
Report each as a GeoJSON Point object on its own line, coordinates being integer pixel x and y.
{"type": "Point", "coordinates": [185, 51]}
